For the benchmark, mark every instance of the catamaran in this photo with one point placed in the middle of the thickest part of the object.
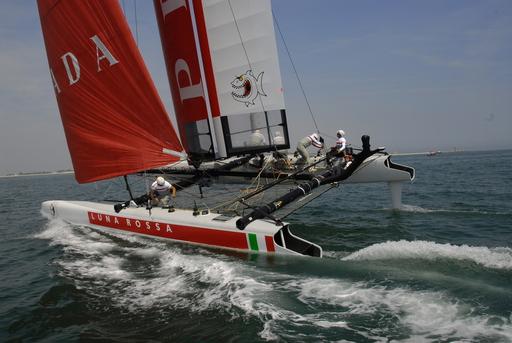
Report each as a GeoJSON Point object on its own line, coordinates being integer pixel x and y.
{"type": "Point", "coordinates": [223, 69]}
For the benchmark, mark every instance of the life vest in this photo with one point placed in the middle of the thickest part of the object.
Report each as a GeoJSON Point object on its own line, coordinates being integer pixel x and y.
{"type": "Point", "coordinates": [315, 140]}
{"type": "Point", "coordinates": [161, 190]}
{"type": "Point", "coordinates": [341, 143]}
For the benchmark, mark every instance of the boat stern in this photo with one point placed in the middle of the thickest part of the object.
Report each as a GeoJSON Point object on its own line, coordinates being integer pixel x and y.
{"type": "Point", "coordinates": [380, 168]}
{"type": "Point", "coordinates": [287, 243]}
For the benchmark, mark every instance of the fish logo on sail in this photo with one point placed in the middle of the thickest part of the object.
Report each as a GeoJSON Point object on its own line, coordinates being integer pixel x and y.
{"type": "Point", "coordinates": [247, 87]}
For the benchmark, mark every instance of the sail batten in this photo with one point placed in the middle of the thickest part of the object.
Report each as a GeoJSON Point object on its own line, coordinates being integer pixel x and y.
{"type": "Point", "coordinates": [113, 118]}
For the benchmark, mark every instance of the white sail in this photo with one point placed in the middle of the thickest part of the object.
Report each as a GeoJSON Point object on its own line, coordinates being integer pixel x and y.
{"type": "Point", "coordinates": [242, 41]}
{"type": "Point", "coordinates": [225, 51]}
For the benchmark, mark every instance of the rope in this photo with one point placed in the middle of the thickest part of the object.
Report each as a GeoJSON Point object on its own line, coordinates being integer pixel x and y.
{"type": "Point", "coordinates": [308, 201]}
{"type": "Point", "coordinates": [296, 73]}
{"type": "Point", "coordinates": [243, 46]}
{"type": "Point", "coordinates": [136, 22]}
{"type": "Point", "coordinates": [251, 186]}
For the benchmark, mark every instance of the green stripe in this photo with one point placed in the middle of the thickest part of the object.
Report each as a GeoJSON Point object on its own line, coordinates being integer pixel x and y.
{"type": "Point", "coordinates": [253, 241]}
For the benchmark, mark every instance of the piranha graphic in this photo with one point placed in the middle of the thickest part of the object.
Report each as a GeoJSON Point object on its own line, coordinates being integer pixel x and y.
{"type": "Point", "coordinates": [247, 88]}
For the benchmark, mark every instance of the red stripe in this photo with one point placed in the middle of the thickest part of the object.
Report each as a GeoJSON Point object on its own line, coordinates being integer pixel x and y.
{"type": "Point", "coordinates": [207, 58]}
{"type": "Point", "coordinates": [269, 241]}
{"type": "Point", "coordinates": [192, 234]}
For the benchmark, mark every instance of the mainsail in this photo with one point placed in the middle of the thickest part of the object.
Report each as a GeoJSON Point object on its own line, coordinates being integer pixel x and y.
{"type": "Point", "coordinates": [114, 120]}
{"type": "Point", "coordinates": [223, 68]}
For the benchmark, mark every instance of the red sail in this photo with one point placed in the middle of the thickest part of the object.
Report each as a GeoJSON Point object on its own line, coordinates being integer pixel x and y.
{"type": "Point", "coordinates": [114, 120]}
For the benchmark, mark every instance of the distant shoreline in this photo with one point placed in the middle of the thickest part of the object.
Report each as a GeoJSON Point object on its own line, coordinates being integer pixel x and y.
{"type": "Point", "coordinates": [39, 173]}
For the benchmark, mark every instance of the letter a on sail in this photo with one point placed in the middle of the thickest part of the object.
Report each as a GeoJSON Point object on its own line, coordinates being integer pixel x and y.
{"type": "Point", "coordinates": [114, 121]}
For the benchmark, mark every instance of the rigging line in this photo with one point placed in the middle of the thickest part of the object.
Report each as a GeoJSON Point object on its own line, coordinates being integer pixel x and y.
{"type": "Point", "coordinates": [327, 135]}
{"type": "Point", "coordinates": [243, 46]}
{"type": "Point", "coordinates": [278, 181]}
{"type": "Point", "coordinates": [226, 204]}
{"type": "Point", "coordinates": [256, 180]}
{"type": "Point", "coordinates": [307, 202]}
{"type": "Point", "coordinates": [136, 23]}
{"type": "Point", "coordinates": [112, 182]}
{"type": "Point", "coordinates": [296, 73]}
{"type": "Point", "coordinates": [182, 190]}
{"type": "Point", "coordinates": [270, 138]}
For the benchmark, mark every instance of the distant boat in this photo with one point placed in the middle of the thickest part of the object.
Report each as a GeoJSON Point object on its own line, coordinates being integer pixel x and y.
{"type": "Point", "coordinates": [433, 153]}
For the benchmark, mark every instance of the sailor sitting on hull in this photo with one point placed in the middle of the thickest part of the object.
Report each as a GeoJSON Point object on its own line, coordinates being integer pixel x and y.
{"type": "Point", "coordinates": [313, 139]}
{"type": "Point", "coordinates": [160, 192]}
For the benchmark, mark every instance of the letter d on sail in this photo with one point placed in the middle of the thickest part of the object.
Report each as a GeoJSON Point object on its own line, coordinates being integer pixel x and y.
{"type": "Point", "coordinates": [65, 59]}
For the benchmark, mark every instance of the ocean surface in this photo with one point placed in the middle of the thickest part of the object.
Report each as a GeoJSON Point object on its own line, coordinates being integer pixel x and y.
{"type": "Point", "coordinates": [439, 270]}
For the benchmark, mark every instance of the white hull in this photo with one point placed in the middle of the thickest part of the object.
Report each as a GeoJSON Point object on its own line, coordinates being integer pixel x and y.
{"type": "Point", "coordinates": [208, 229]}
{"type": "Point", "coordinates": [379, 168]}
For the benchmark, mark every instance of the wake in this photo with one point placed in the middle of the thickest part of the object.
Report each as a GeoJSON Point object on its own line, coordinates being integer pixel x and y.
{"type": "Point", "coordinates": [496, 258]}
{"type": "Point", "coordinates": [202, 282]}
{"type": "Point", "coordinates": [419, 209]}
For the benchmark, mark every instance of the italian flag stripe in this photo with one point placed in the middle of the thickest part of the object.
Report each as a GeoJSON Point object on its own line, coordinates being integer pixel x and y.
{"type": "Point", "coordinates": [269, 242]}
{"type": "Point", "coordinates": [253, 241]}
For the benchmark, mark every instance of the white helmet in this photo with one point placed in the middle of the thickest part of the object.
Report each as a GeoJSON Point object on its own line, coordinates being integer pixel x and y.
{"type": "Point", "coordinates": [160, 181]}
{"type": "Point", "coordinates": [340, 133]}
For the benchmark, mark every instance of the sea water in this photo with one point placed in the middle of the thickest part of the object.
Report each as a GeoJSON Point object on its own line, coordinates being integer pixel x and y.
{"type": "Point", "coordinates": [438, 270]}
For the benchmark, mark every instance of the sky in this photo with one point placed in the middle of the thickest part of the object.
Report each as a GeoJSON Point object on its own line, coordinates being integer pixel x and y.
{"type": "Point", "coordinates": [414, 75]}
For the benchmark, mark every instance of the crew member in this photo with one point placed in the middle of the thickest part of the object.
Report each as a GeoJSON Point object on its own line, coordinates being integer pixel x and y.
{"type": "Point", "coordinates": [343, 151]}
{"type": "Point", "coordinates": [160, 192]}
{"type": "Point", "coordinates": [341, 142]}
{"type": "Point", "coordinates": [278, 138]}
{"type": "Point", "coordinates": [256, 138]}
{"type": "Point", "coordinates": [313, 139]}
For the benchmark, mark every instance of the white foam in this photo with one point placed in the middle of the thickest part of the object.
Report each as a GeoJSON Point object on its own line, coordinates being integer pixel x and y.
{"type": "Point", "coordinates": [203, 282]}
{"type": "Point", "coordinates": [87, 243]}
{"type": "Point", "coordinates": [200, 283]}
{"type": "Point", "coordinates": [426, 314]}
{"type": "Point", "coordinates": [147, 252]}
{"type": "Point", "coordinates": [498, 258]}
{"type": "Point", "coordinates": [415, 209]}
{"type": "Point", "coordinates": [105, 268]}
{"type": "Point", "coordinates": [419, 209]}
{"type": "Point", "coordinates": [197, 282]}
